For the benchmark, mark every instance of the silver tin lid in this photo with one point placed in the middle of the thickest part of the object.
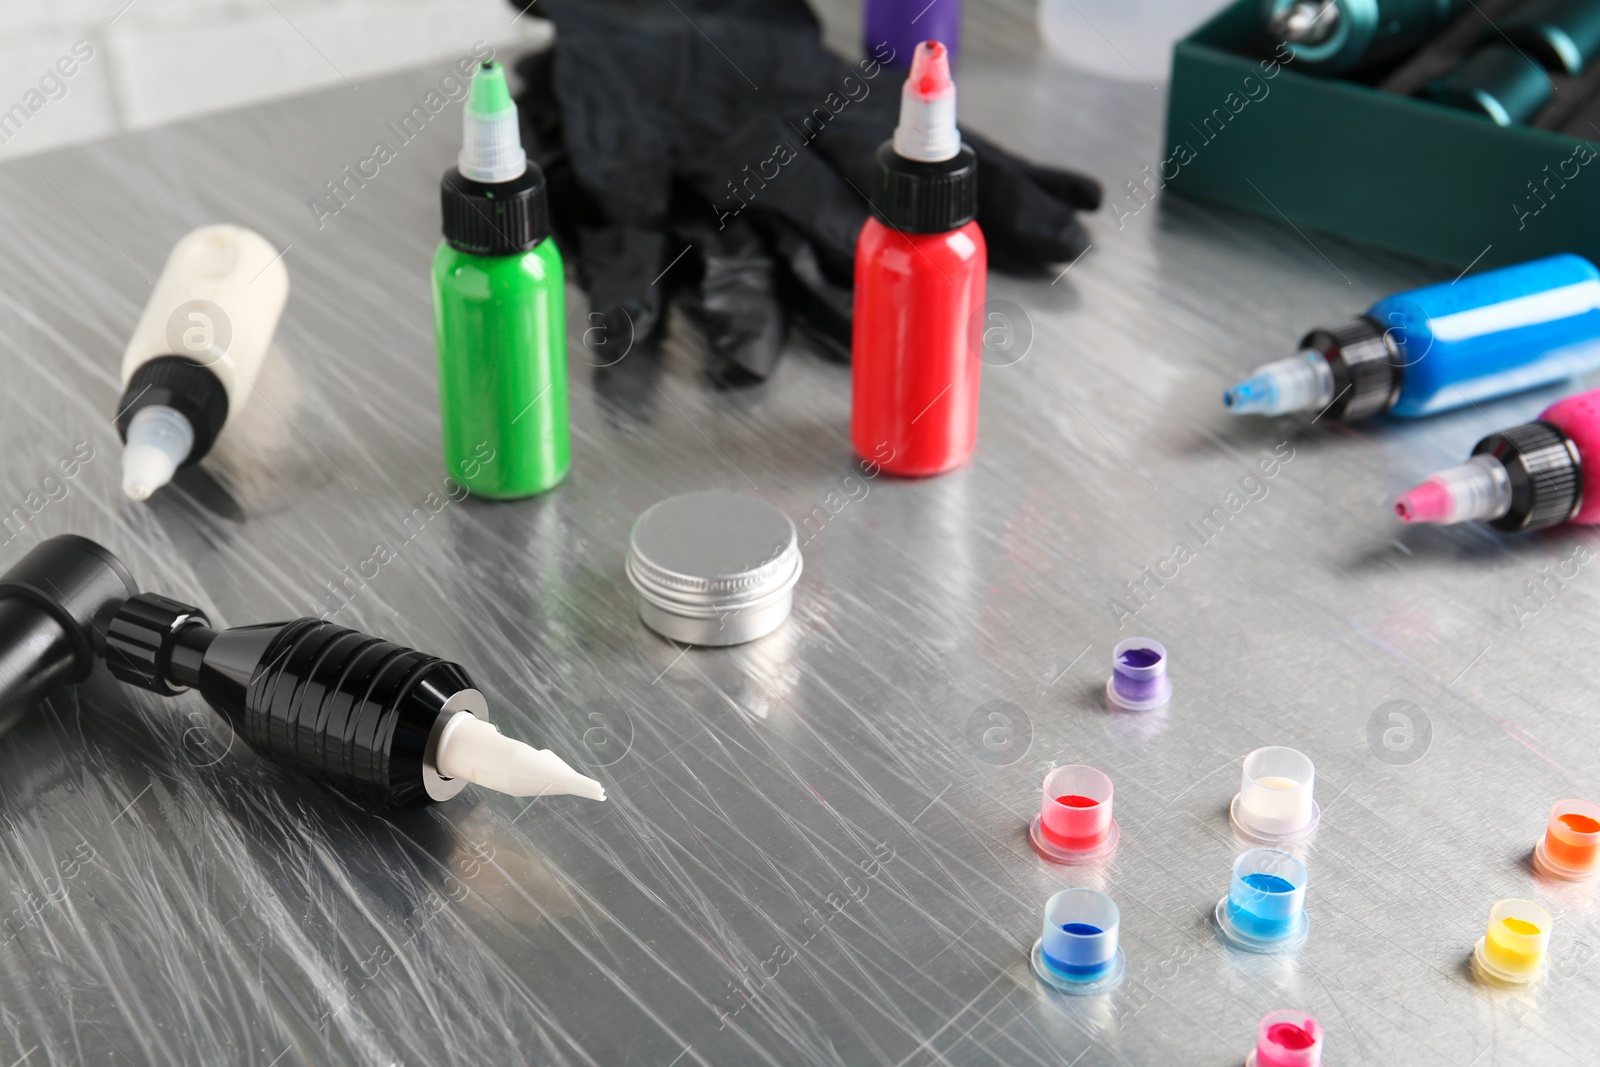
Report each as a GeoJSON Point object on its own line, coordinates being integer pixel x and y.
{"type": "Point", "coordinates": [714, 568]}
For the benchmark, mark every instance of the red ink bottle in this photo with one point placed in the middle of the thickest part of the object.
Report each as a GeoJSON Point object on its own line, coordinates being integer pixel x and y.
{"type": "Point", "coordinates": [919, 287]}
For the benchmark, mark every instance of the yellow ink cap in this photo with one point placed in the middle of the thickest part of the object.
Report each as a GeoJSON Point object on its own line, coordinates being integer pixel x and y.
{"type": "Point", "coordinates": [1513, 950]}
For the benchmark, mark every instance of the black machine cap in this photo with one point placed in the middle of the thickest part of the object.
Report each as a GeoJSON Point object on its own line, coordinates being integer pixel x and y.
{"type": "Point", "coordinates": [495, 219]}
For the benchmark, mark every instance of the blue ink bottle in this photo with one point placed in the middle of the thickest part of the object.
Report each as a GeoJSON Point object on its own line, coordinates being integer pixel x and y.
{"type": "Point", "coordinates": [1440, 347]}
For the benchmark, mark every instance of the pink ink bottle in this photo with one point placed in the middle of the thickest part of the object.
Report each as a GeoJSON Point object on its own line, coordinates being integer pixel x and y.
{"type": "Point", "coordinates": [1540, 474]}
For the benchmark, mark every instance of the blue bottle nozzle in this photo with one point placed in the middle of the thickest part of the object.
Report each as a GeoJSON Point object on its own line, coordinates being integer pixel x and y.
{"type": "Point", "coordinates": [1303, 382]}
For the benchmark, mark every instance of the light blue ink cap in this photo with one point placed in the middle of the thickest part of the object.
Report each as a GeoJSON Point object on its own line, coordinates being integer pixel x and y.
{"type": "Point", "coordinates": [1264, 910]}
{"type": "Point", "coordinates": [1078, 951]}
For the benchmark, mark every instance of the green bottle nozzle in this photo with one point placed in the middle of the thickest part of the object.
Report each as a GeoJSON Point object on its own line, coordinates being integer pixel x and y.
{"type": "Point", "coordinates": [491, 143]}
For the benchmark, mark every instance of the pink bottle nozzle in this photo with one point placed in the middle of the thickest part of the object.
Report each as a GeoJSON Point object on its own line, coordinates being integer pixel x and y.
{"type": "Point", "coordinates": [1287, 1038]}
{"type": "Point", "coordinates": [1428, 502]}
{"type": "Point", "coordinates": [930, 71]}
{"type": "Point", "coordinates": [1075, 824]}
{"type": "Point", "coordinates": [1478, 490]}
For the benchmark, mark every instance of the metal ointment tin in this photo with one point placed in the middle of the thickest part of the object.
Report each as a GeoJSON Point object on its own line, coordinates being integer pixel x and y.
{"type": "Point", "coordinates": [713, 568]}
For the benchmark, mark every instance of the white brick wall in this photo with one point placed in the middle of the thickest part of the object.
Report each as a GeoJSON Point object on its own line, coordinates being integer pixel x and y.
{"type": "Point", "coordinates": [155, 61]}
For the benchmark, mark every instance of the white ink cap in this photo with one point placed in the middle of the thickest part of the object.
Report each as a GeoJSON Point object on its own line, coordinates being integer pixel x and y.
{"type": "Point", "coordinates": [1275, 803]}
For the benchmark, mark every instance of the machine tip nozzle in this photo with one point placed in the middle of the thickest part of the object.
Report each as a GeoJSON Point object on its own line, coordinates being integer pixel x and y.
{"type": "Point", "coordinates": [471, 748]}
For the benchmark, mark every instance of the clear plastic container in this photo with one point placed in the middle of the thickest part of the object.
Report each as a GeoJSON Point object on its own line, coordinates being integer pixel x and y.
{"type": "Point", "coordinates": [1275, 804]}
{"type": "Point", "coordinates": [1264, 910]}
{"type": "Point", "coordinates": [1513, 950]}
{"type": "Point", "coordinates": [1570, 848]}
{"type": "Point", "coordinates": [1127, 39]}
{"type": "Point", "coordinates": [1079, 951]}
{"type": "Point", "coordinates": [1139, 679]}
{"type": "Point", "coordinates": [1074, 824]}
{"type": "Point", "coordinates": [1287, 1038]}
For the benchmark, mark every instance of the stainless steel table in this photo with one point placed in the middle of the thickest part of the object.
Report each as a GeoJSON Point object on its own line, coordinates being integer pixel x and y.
{"type": "Point", "coordinates": [815, 850]}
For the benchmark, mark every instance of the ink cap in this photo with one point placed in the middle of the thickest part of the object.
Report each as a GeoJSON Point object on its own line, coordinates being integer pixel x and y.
{"type": "Point", "coordinates": [714, 568]}
{"type": "Point", "coordinates": [1570, 847]}
{"type": "Point", "coordinates": [1264, 910]}
{"type": "Point", "coordinates": [1079, 952]}
{"type": "Point", "coordinates": [1275, 804]}
{"type": "Point", "coordinates": [1138, 679]}
{"type": "Point", "coordinates": [1287, 1038]}
{"type": "Point", "coordinates": [1514, 951]}
{"type": "Point", "coordinates": [1074, 825]}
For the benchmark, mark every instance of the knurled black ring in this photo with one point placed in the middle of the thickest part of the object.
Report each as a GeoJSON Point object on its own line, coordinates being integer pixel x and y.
{"type": "Point", "coordinates": [139, 640]}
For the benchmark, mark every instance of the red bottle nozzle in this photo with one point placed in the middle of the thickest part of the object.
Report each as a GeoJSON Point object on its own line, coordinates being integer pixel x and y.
{"type": "Point", "coordinates": [930, 71]}
{"type": "Point", "coordinates": [927, 131]}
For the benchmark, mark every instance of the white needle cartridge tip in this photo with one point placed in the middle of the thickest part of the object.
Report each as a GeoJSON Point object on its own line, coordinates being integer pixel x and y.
{"type": "Point", "coordinates": [473, 749]}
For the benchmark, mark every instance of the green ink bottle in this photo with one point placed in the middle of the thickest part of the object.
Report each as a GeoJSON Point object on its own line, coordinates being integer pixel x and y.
{"type": "Point", "coordinates": [499, 310]}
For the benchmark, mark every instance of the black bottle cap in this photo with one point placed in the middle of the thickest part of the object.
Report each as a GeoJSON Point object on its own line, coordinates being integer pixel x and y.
{"type": "Point", "coordinates": [915, 197]}
{"type": "Point", "coordinates": [495, 219]}
{"type": "Point", "coordinates": [1367, 370]}
{"type": "Point", "coordinates": [1545, 471]}
{"type": "Point", "coordinates": [189, 388]}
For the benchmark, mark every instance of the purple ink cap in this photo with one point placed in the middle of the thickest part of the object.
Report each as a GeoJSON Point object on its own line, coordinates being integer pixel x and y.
{"type": "Point", "coordinates": [1139, 675]}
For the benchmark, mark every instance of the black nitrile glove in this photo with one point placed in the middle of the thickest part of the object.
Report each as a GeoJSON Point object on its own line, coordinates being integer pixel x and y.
{"type": "Point", "coordinates": [716, 146]}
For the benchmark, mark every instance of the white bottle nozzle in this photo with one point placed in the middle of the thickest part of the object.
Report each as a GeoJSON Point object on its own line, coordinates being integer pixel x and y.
{"type": "Point", "coordinates": [159, 440]}
{"type": "Point", "coordinates": [491, 143]}
{"type": "Point", "coordinates": [927, 131]}
{"type": "Point", "coordinates": [1302, 382]}
{"type": "Point", "coordinates": [473, 749]}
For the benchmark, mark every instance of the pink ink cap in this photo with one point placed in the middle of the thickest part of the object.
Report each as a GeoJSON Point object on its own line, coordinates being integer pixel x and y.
{"type": "Point", "coordinates": [1287, 1038]}
{"type": "Point", "coordinates": [1074, 824]}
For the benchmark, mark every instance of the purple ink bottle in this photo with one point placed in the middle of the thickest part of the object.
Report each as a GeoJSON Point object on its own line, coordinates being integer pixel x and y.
{"type": "Point", "coordinates": [901, 25]}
